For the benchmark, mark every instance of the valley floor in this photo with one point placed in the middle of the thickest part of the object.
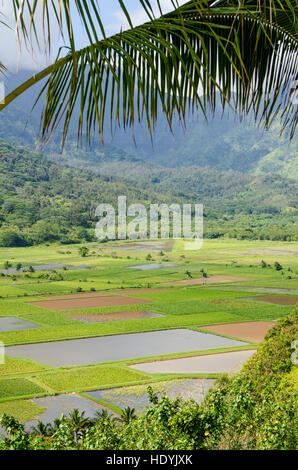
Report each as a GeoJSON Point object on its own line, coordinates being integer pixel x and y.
{"type": "Point", "coordinates": [95, 337]}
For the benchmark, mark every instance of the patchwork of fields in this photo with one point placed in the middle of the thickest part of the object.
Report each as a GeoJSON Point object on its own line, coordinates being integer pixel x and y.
{"type": "Point", "coordinates": [106, 327]}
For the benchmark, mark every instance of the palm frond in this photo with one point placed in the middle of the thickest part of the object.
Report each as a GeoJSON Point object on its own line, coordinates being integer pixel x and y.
{"type": "Point", "coordinates": [243, 51]}
{"type": "Point", "coordinates": [3, 69]}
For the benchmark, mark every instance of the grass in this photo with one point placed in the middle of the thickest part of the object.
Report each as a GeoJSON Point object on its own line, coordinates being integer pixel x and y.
{"type": "Point", "coordinates": [23, 410]}
{"type": "Point", "coordinates": [20, 387]}
{"type": "Point", "coordinates": [89, 377]}
{"type": "Point", "coordinates": [15, 366]}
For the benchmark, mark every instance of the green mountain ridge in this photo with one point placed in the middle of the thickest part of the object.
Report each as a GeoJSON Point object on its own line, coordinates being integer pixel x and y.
{"type": "Point", "coordinates": [45, 201]}
{"type": "Point", "coordinates": [246, 178]}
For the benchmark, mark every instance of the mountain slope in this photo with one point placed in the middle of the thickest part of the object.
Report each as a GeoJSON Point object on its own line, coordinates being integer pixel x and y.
{"type": "Point", "coordinates": [42, 200]}
{"type": "Point", "coordinates": [224, 142]}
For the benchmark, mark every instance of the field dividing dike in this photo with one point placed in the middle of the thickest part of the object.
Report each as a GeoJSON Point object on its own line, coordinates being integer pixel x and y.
{"type": "Point", "coordinates": [41, 384]}
{"type": "Point", "coordinates": [189, 354]}
{"type": "Point", "coordinates": [26, 397]}
{"type": "Point", "coordinates": [22, 374]}
{"type": "Point", "coordinates": [106, 404]}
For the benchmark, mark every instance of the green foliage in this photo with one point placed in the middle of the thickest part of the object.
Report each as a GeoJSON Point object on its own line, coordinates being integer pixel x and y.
{"type": "Point", "coordinates": [43, 202]}
{"type": "Point", "coordinates": [10, 238]}
{"type": "Point", "coordinates": [83, 251]}
{"type": "Point", "coordinates": [256, 409]}
{"type": "Point", "coordinates": [18, 388]}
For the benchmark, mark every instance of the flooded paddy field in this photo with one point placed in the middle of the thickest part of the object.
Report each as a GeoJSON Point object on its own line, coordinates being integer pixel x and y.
{"type": "Point", "coordinates": [208, 280]}
{"type": "Point", "coordinates": [117, 316]}
{"type": "Point", "coordinates": [13, 324]}
{"type": "Point", "coordinates": [119, 347]}
{"type": "Point", "coordinates": [42, 267]}
{"type": "Point", "coordinates": [271, 290]}
{"type": "Point", "coordinates": [274, 299]}
{"type": "Point", "coordinates": [55, 406]}
{"type": "Point", "coordinates": [137, 397]}
{"type": "Point", "coordinates": [152, 246]}
{"type": "Point", "coordinates": [209, 364]}
{"type": "Point", "coordinates": [149, 267]}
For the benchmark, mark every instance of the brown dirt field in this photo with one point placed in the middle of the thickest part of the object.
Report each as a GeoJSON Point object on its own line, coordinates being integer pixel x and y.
{"type": "Point", "coordinates": [254, 331]}
{"type": "Point", "coordinates": [277, 299]}
{"type": "Point", "coordinates": [109, 316]}
{"type": "Point", "coordinates": [78, 295]}
{"type": "Point", "coordinates": [138, 291]}
{"type": "Point", "coordinates": [92, 302]}
{"type": "Point", "coordinates": [208, 280]}
{"type": "Point", "coordinates": [105, 293]}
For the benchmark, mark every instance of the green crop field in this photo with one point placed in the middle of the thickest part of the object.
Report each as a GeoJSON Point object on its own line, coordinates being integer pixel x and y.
{"type": "Point", "coordinates": [181, 306]}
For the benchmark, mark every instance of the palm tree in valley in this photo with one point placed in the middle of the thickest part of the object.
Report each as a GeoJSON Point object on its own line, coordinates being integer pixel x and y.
{"type": "Point", "coordinates": [78, 423]}
{"type": "Point", "coordinates": [42, 429]}
{"type": "Point", "coordinates": [238, 53]}
{"type": "Point", "coordinates": [127, 415]}
{"type": "Point", "coordinates": [101, 415]}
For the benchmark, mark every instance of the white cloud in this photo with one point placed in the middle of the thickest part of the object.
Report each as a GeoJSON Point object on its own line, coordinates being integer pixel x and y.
{"type": "Point", "coordinates": [15, 56]}
{"type": "Point", "coordinates": [138, 15]}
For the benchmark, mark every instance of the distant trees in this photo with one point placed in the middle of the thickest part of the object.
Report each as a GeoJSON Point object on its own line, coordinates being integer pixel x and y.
{"type": "Point", "coordinates": [83, 251]}
{"type": "Point", "coordinates": [278, 266]}
{"type": "Point", "coordinates": [51, 212]}
{"type": "Point", "coordinates": [7, 265]}
{"type": "Point", "coordinates": [10, 238]}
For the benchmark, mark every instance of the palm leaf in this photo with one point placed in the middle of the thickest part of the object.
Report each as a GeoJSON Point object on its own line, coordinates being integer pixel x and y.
{"type": "Point", "coordinates": [243, 52]}
{"type": "Point", "coordinates": [3, 69]}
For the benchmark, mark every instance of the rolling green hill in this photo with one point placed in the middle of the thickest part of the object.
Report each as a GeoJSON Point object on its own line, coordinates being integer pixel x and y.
{"type": "Point", "coordinates": [43, 201]}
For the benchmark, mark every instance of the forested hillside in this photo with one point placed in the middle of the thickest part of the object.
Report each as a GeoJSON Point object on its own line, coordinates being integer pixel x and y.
{"type": "Point", "coordinates": [42, 201]}
{"type": "Point", "coordinates": [45, 201]}
{"type": "Point", "coordinates": [245, 177]}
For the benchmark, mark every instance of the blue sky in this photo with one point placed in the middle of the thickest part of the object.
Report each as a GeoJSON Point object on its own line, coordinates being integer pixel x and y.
{"type": "Point", "coordinates": [114, 19]}
{"type": "Point", "coordinates": [112, 16]}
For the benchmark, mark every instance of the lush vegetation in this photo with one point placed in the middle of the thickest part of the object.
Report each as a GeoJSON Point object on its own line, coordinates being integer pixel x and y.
{"type": "Point", "coordinates": [44, 201]}
{"type": "Point", "coordinates": [252, 410]}
{"type": "Point", "coordinates": [248, 193]}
